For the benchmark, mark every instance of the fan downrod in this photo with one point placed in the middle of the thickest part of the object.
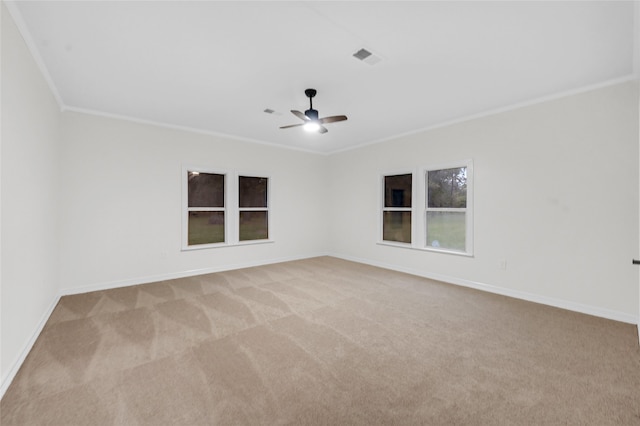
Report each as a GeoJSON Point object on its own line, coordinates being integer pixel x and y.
{"type": "Point", "coordinates": [310, 116]}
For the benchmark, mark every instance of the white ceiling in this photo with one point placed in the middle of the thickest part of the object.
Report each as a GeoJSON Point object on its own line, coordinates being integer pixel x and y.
{"type": "Point", "coordinates": [215, 66]}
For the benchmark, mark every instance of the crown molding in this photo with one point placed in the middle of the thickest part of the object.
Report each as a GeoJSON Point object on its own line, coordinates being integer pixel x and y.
{"type": "Point", "coordinates": [188, 129]}
{"type": "Point", "coordinates": [31, 45]}
{"type": "Point", "coordinates": [495, 111]}
{"type": "Point", "coordinates": [636, 38]}
{"type": "Point", "coordinates": [15, 14]}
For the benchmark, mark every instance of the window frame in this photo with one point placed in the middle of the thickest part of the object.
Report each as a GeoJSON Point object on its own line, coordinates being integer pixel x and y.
{"type": "Point", "coordinates": [186, 209]}
{"type": "Point", "coordinates": [254, 209]}
{"type": "Point", "coordinates": [231, 207]}
{"type": "Point", "coordinates": [384, 209]}
{"type": "Point", "coordinates": [419, 208]}
{"type": "Point", "coordinates": [468, 210]}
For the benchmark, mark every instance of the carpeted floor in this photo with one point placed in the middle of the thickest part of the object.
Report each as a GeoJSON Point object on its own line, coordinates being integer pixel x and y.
{"type": "Point", "coordinates": [322, 341]}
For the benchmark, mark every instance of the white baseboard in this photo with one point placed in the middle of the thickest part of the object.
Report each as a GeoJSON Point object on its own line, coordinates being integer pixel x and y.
{"type": "Point", "coordinates": [563, 304]}
{"type": "Point", "coordinates": [181, 274]}
{"type": "Point", "coordinates": [6, 381]}
{"type": "Point", "coordinates": [550, 301]}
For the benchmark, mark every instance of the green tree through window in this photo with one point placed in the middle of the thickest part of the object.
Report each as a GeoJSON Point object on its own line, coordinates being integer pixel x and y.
{"type": "Point", "coordinates": [446, 210]}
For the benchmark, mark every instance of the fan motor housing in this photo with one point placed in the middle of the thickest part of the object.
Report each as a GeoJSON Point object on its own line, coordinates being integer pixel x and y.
{"type": "Point", "coordinates": [312, 114]}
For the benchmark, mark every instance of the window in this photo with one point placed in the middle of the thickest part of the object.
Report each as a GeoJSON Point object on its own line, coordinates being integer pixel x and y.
{"type": "Point", "coordinates": [222, 208]}
{"type": "Point", "coordinates": [253, 208]}
{"type": "Point", "coordinates": [206, 208]}
{"type": "Point", "coordinates": [429, 209]}
{"type": "Point", "coordinates": [448, 223]}
{"type": "Point", "coordinates": [396, 208]}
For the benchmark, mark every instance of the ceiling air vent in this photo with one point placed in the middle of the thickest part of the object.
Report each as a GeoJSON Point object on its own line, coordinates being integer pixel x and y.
{"type": "Point", "coordinates": [271, 111]}
{"type": "Point", "coordinates": [362, 54]}
{"type": "Point", "coordinates": [365, 56]}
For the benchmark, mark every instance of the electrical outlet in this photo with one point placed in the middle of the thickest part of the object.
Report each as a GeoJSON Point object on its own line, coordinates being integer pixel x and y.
{"type": "Point", "coordinates": [502, 264]}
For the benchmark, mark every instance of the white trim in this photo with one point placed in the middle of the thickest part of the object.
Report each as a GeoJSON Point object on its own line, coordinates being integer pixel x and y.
{"type": "Point", "coordinates": [181, 274]}
{"type": "Point", "coordinates": [221, 245]}
{"type": "Point", "coordinates": [268, 208]}
{"type": "Point", "coordinates": [35, 54]}
{"type": "Point", "coordinates": [563, 304]}
{"type": "Point", "coordinates": [429, 249]}
{"type": "Point", "coordinates": [17, 18]}
{"type": "Point", "coordinates": [15, 367]}
{"type": "Point", "coordinates": [419, 211]}
{"type": "Point", "coordinates": [636, 42]}
{"type": "Point", "coordinates": [446, 123]}
{"type": "Point", "coordinates": [490, 112]}
{"type": "Point", "coordinates": [10, 376]}
{"type": "Point", "coordinates": [189, 129]}
{"type": "Point", "coordinates": [468, 210]}
{"type": "Point", "coordinates": [516, 294]}
{"type": "Point", "coordinates": [636, 70]}
{"type": "Point", "coordinates": [231, 208]}
{"type": "Point", "coordinates": [11, 373]}
{"type": "Point", "coordinates": [382, 208]}
{"type": "Point", "coordinates": [186, 169]}
{"type": "Point", "coordinates": [394, 244]}
{"type": "Point", "coordinates": [253, 242]}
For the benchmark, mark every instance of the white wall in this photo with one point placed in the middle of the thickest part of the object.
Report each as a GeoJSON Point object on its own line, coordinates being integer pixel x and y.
{"type": "Point", "coordinates": [91, 202]}
{"type": "Point", "coordinates": [121, 202]}
{"type": "Point", "coordinates": [29, 176]}
{"type": "Point", "coordinates": [556, 195]}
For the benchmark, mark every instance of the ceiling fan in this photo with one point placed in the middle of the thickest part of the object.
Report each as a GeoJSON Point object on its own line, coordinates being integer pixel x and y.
{"type": "Point", "coordinates": [310, 117]}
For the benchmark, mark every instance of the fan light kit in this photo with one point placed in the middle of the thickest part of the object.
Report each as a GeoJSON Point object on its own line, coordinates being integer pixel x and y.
{"type": "Point", "coordinates": [310, 117]}
{"type": "Point", "coordinates": [311, 126]}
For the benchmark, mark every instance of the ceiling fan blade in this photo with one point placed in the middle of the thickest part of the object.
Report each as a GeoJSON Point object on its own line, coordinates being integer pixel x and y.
{"type": "Point", "coordinates": [292, 125]}
{"type": "Point", "coordinates": [300, 115]}
{"type": "Point", "coordinates": [310, 117]}
{"type": "Point", "coordinates": [333, 119]}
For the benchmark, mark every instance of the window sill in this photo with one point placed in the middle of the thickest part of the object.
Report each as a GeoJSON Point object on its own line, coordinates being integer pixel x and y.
{"type": "Point", "coordinates": [221, 245]}
{"type": "Point", "coordinates": [252, 242]}
{"type": "Point", "coordinates": [428, 249]}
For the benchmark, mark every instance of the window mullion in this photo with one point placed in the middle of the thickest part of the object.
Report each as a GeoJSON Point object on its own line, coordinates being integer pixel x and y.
{"type": "Point", "coordinates": [253, 222]}
{"type": "Point", "coordinates": [253, 209]}
{"type": "Point", "coordinates": [397, 208]}
{"type": "Point", "coordinates": [206, 209]}
{"type": "Point", "coordinates": [446, 209]}
{"type": "Point", "coordinates": [233, 212]}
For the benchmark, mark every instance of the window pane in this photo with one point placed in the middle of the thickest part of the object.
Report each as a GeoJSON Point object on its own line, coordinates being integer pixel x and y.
{"type": "Point", "coordinates": [206, 227]}
{"type": "Point", "coordinates": [252, 191]}
{"type": "Point", "coordinates": [206, 189]}
{"type": "Point", "coordinates": [396, 226]}
{"type": "Point", "coordinates": [447, 188]}
{"type": "Point", "coordinates": [397, 191]}
{"type": "Point", "coordinates": [446, 230]}
{"type": "Point", "coordinates": [254, 226]}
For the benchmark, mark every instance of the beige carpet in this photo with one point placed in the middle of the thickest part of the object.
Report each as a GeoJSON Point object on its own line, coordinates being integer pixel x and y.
{"type": "Point", "coordinates": [322, 341]}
